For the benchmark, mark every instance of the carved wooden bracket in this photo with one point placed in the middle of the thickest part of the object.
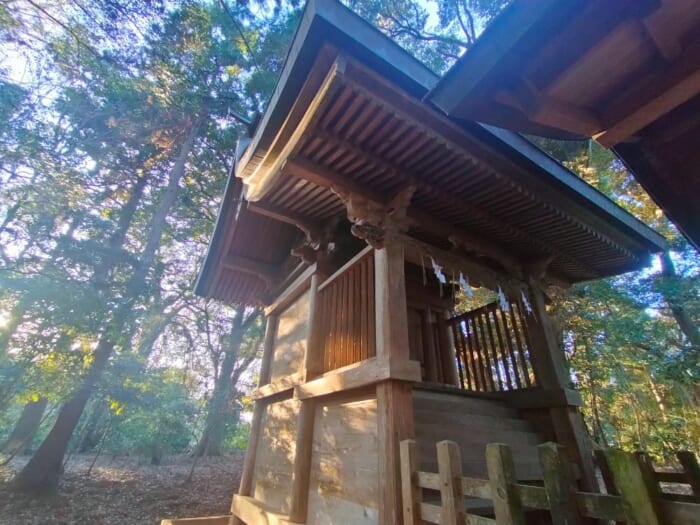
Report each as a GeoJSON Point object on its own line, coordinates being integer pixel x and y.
{"type": "Point", "coordinates": [372, 220]}
{"type": "Point", "coordinates": [316, 243]}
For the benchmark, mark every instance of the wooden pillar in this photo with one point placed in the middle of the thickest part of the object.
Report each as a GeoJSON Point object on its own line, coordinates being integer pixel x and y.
{"type": "Point", "coordinates": [246, 486]}
{"type": "Point", "coordinates": [552, 372]}
{"type": "Point", "coordinates": [446, 349]}
{"type": "Point", "coordinates": [313, 360]}
{"type": "Point", "coordinates": [429, 348]}
{"type": "Point", "coordinates": [301, 473]}
{"type": "Point", "coordinates": [313, 367]}
{"type": "Point", "coordinates": [394, 398]}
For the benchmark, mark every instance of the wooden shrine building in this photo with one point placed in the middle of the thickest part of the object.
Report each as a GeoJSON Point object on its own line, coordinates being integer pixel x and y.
{"type": "Point", "coordinates": [352, 199]}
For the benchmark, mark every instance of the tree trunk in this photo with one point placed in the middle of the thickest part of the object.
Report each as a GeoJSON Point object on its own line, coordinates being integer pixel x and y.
{"type": "Point", "coordinates": [685, 323]}
{"type": "Point", "coordinates": [26, 427]}
{"type": "Point", "coordinates": [43, 471]}
{"type": "Point", "coordinates": [215, 426]}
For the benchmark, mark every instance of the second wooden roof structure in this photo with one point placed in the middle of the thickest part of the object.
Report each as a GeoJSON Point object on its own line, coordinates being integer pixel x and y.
{"type": "Point", "coordinates": [348, 116]}
{"type": "Point", "coordinates": [625, 72]}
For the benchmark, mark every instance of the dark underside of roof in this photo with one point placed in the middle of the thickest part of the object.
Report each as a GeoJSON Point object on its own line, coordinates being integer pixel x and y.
{"type": "Point", "coordinates": [370, 135]}
{"type": "Point", "coordinates": [625, 72]}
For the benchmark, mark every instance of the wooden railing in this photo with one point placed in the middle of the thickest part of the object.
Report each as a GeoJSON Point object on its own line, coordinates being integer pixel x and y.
{"type": "Point", "coordinates": [638, 500]}
{"type": "Point", "coordinates": [346, 322]}
{"type": "Point", "coordinates": [688, 475]}
{"type": "Point", "coordinates": [493, 349]}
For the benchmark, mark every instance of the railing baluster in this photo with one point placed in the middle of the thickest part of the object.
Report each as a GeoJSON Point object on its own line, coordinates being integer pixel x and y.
{"type": "Point", "coordinates": [526, 356]}
{"type": "Point", "coordinates": [461, 362]}
{"type": "Point", "coordinates": [410, 490]}
{"type": "Point", "coordinates": [520, 343]}
{"type": "Point", "coordinates": [511, 349]}
{"type": "Point", "coordinates": [487, 355]}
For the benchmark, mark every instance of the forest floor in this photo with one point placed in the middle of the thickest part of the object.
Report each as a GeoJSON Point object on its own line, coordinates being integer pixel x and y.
{"type": "Point", "coordinates": [125, 491]}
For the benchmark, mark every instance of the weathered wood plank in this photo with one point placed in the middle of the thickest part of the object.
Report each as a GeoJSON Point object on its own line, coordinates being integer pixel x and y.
{"type": "Point", "coordinates": [450, 471]}
{"type": "Point", "coordinates": [640, 494]}
{"type": "Point", "coordinates": [301, 472]}
{"type": "Point", "coordinates": [506, 501]}
{"type": "Point", "coordinates": [394, 424]}
{"type": "Point", "coordinates": [410, 482]}
{"type": "Point", "coordinates": [558, 484]}
{"type": "Point", "coordinates": [208, 520]}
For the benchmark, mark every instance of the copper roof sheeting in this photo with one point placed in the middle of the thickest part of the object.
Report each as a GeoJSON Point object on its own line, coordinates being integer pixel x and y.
{"type": "Point", "coordinates": [348, 127]}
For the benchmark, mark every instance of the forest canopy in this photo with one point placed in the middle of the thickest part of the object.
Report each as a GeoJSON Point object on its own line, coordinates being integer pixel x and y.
{"type": "Point", "coordinates": [118, 126]}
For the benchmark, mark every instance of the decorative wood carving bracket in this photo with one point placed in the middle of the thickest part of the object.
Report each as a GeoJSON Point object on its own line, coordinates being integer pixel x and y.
{"type": "Point", "coordinates": [372, 220]}
{"type": "Point", "coordinates": [316, 244]}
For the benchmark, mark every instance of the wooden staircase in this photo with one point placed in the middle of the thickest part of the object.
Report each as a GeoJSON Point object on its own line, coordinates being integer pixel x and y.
{"type": "Point", "coordinates": [473, 422]}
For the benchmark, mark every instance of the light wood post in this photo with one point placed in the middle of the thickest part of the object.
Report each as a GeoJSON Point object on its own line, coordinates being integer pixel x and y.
{"type": "Point", "coordinates": [313, 360]}
{"type": "Point", "coordinates": [394, 398]}
{"type": "Point", "coordinates": [640, 493]}
{"type": "Point", "coordinates": [429, 349]}
{"type": "Point", "coordinates": [506, 502]}
{"type": "Point", "coordinates": [268, 349]}
{"type": "Point", "coordinates": [301, 473]}
{"type": "Point", "coordinates": [447, 351]}
{"type": "Point", "coordinates": [313, 367]}
{"type": "Point", "coordinates": [246, 486]}
{"type": "Point", "coordinates": [551, 371]}
{"type": "Point", "coordinates": [391, 311]}
{"type": "Point", "coordinates": [411, 491]}
{"type": "Point", "coordinates": [450, 472]}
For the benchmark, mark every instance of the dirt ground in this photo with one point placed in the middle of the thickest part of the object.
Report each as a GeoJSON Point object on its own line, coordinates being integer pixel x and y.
{"type": "Point", "coordinates": [125, 491]}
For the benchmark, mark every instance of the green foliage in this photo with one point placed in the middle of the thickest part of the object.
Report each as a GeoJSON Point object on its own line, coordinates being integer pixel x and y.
{"type": "Point", "coordinates": [156, 413]}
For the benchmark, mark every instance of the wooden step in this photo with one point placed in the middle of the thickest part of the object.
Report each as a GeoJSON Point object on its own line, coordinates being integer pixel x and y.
{"type": "Point", "coordinates": [450, 403]}
{"type": "Point", "coordinates": [429, 416]}
{"type": "Point", "coordinates": [469, 436]}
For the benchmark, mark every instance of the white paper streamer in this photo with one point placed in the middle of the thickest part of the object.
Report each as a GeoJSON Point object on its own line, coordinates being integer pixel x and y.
{"type": "Point", "coordinates": [438, 272]}
{"type": "Point", "coordinates": [503, 300]}
{"type": "Point", "coordinates": [464, 283]}
{"type": "Point", "coordinates": [526, 303]}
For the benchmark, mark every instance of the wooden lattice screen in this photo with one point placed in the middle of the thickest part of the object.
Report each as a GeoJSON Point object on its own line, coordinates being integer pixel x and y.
{"type": "Point", "coordinates": [492, 348]}
{"type": "Point", "coordinates": [347, 321]}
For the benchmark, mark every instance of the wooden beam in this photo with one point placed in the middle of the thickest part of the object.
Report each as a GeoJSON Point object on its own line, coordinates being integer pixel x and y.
{"type": "Point", "coordinates": [285, 143]}
{"type": "Point", "coordinates": [400, 104]}
{"type": "Point", "coordinates": [280, 214]}
{"type": "Point", "coordinates": [278, 386]}
{"type": "Point", "coordinates": [325, 177]}
{"type": "Point", "coordinates": [208, 520]}
{"type": "Point", "coordinates": [550, 111]}
{"type": "Point", "coordinates": [651, 97]}
{"type": "Point", "coordinates": [265, 271]}
{"type": "Point", "coordinates": [292, 292]}
{"type": "Point", "coordinates": [467, 240]}
{"type": "Point", "coordinates": [359, 375]}
{"type": "Point", "coordinates": [252, 511]}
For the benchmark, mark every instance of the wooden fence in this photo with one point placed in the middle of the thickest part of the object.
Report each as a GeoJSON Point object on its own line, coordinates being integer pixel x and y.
{"type": "Point", "coordinates": [493, 348]}
{"type": "Point", "coordinates": [638, 500]}
{"type": "Point", "coordinates": [346, 323]}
